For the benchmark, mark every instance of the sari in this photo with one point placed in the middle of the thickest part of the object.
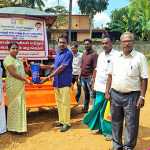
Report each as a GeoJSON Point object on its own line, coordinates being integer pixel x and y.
{"type": "Point", "coordinates": [15, 91]}
{"type": "Point", "coordinates": [2, 106]}
{"type": "Point", "coordinates": [94, 119]}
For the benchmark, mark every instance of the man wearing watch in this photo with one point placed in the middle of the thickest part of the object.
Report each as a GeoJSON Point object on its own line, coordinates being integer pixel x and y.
{"type": "Point", "coordinates": [127, 79]}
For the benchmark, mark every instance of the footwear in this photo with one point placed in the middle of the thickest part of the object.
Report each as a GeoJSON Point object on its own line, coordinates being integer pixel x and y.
{"type": "Point", "coordinates": [128, 149]}
{"type": "Point", "coordinates": [64, 128]}
{"type": "Point", "coordinates": [108, 137]}
{"type": "Point", "coordinates": [96, 131]}
{"type": "Point", "coordinates": [116, 149]}
{"type": "Point", "coordinates": [18, 133]}
{"type": "Point", "coordinates": [58, 124]}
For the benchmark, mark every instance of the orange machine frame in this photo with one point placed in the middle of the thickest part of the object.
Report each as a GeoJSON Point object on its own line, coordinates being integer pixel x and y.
{"type": "Point", "coordinates": [41, 95]}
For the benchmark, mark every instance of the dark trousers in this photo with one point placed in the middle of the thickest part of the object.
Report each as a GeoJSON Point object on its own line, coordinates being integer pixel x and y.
{"type": "Point", "coordinates": [86, 84]}
{"type": "Point", "coordinates": [75, 79]}
{"type": "Point", "coordinates": [123, 107]}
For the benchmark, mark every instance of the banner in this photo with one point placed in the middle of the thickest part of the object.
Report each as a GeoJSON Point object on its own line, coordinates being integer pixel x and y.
{"type": "Point", "coordinates": [30, 34]}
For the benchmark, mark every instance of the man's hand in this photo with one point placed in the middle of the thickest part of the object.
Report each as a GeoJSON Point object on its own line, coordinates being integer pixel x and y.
{"type": "Point", "coordinates": [107, 95]}
{"type": "Point", "coordinates": [140, 102]}
{"type": "Point", "coordinates": [46, 79]}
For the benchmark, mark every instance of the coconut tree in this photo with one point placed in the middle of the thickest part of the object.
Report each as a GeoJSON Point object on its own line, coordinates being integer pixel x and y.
{"type": "Point", "coordinates": [91, 7]}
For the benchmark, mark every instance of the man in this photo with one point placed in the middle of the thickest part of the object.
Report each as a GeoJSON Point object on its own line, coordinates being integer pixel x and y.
{"type": "Point", "coordinates": [128, 79]}
{"type": "Point", "coordinates": [88, 64]}
{"type": "Point", "coordinates": [62, 82]}
{"type": "Point", "coordinates": [76, 68]}
{"type": "Point", "coordinates": [95, 117]}
{"type": "Point", "coordinates": [38, 26]}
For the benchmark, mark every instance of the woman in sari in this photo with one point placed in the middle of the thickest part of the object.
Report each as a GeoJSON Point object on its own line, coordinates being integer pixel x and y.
{"type": "Point", "coordinates": [2, 106]}
{"type": "Point", "coordinates": [15, 90]}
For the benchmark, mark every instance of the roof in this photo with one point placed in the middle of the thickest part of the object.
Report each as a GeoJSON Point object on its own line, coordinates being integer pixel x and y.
{"type": "Point", "coordinates": [24, 11]}
{"type": "Point", "coordinates": [30, 12]}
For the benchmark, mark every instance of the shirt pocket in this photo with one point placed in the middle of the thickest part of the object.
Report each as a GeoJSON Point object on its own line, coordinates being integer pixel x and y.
{"type": "Point", "coordinates": [133, 70]}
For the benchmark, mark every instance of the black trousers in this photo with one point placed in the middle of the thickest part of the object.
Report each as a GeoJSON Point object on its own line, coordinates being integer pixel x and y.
{"type": "Point", "coordinates": [123, 108]}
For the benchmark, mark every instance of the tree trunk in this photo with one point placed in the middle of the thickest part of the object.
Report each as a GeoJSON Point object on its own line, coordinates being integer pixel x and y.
{"type": "Point", "coordinates": [70, 21]}
{"type": "Point", "coordinates": [91, 25]}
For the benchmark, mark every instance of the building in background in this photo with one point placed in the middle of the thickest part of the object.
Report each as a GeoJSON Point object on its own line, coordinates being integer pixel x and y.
{"type": "Point", "coordinates": [80, 28]}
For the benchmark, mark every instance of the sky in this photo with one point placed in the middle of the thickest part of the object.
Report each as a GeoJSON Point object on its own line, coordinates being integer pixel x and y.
{"type": "Point", "coordinates": [100, 19]}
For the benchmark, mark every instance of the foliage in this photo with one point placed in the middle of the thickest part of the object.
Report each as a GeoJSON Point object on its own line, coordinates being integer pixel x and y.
{"type": "Point", "coordinates": [91, 7]}
{"type": "Point", "coordinates": [32, 3]}
{"type": "Point", "coordinates": [7, 3]}
{"type": "Point", "coordinates": [61, 20]}
{"type": "Point", "coordinates": [134, 18]}
{"type": "Point", "coordinates": [118, 20]}
{"type": "Point", "coordinates": [27, 3]}
{"type": "Point", "coordinates": [140, 9]}
{"type": "Point", "coordinates": [60, 12]}
{"type": "Point", "coordinates": [57, 10]}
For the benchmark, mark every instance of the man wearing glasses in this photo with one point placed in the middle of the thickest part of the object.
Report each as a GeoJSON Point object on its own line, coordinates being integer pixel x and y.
{"type": "Point", "coordinates": [127, 78]}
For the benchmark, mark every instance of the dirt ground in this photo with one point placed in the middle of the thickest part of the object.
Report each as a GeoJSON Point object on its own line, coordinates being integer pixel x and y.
{"type": "Point", "coordinates": [42, 134]}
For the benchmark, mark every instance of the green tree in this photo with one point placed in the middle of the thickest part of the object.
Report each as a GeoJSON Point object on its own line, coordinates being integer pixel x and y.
{"type": "Point", "coordinates": [33, 3]}
{"type": "Point", "coordinates": [140, 9]}
{"type": "Point", "coordinates": [134, 18]}
{"type": "Point", "coordinates": [7, 3]}
{"type": "Point", "coordinates": [91, 7]}
{"type": "Point", "coordinates": [60, 12]}
{"type": "Point", "coordinates": [119, 20]}
{"type": "Point", "coordinates": [27, 3]}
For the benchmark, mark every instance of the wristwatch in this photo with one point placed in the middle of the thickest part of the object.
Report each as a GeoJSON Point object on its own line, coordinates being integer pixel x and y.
{"type": "Point", "coordinates": [142, 97]}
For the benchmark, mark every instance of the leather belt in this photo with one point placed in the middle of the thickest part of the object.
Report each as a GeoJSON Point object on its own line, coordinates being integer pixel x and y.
{"type": "Point", "coordinates": [124, 93]}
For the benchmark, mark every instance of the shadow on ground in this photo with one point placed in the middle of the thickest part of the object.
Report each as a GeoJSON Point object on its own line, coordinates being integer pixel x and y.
{"type": "Point", "coordinates": [39, 121]}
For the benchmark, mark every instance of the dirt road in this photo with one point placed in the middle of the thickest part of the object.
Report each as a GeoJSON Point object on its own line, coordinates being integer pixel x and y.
{"type": "Point", "coordinates": [42, 135]}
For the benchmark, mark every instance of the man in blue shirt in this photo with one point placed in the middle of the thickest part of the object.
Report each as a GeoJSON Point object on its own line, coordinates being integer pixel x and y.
{"type": "Point", "coordinates": [62, 82]}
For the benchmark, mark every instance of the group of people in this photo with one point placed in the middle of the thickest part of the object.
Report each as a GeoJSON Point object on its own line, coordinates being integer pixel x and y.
{"type": "Point", "coordinates": [117, 77]}
{"type": "Point", "coordinates": [121, 78]}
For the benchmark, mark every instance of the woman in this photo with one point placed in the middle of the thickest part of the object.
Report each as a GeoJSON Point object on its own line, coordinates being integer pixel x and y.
{"type": "Point", "coordinates": [15, 90]}
{"type": "Point", "coordinates": [2, 106]}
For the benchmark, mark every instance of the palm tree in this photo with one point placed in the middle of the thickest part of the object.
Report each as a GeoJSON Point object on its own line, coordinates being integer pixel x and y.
{"type": "Point", "coordinates": [91, 7]}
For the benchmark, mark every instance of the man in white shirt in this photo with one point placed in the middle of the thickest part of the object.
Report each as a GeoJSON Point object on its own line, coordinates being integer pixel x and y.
{"type": "Point", "coordinates": [128, 78]}
{"type": "Point", "coordinates": [104, 61]}
{"type": "Point", "coordinates": [95, 117]}
{"type": "Point", "coordinates": [77, 58]}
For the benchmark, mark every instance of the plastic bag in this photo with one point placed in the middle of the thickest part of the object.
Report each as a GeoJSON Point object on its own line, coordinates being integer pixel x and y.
{"type": "Point", "coordinates": [107, 113]}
